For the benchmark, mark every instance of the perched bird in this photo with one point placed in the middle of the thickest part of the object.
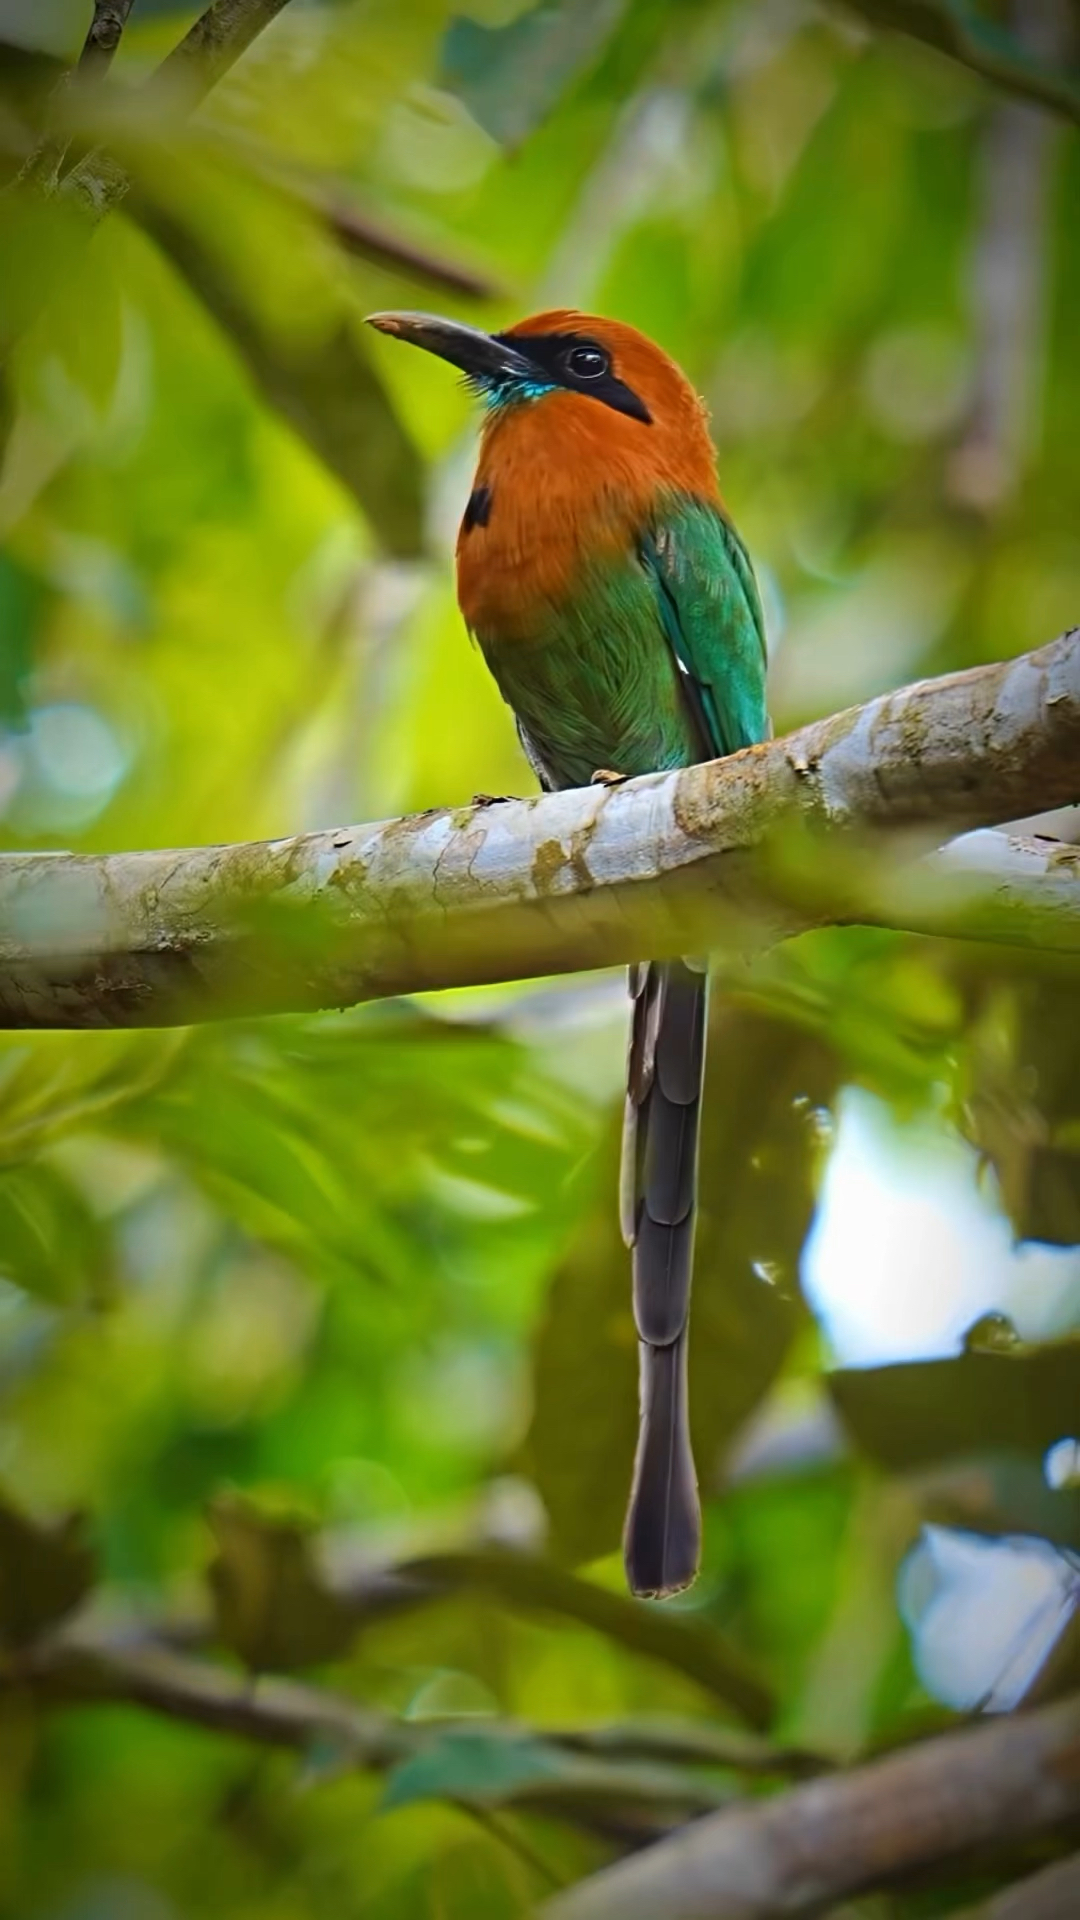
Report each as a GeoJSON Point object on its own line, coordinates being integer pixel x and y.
{"type": "Point", "coordinates": [617, 609]}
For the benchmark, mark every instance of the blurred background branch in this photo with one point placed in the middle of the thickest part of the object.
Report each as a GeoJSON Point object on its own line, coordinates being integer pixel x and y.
{"type": "Point", "coordinates": [645, 1790]}
{"type": "Point", "coordinates": [833, 1838]}
{"type": "Point", "coordinates": [355, 231]}
{"type": "Point", "coordinates": [103, 38]}
{"type": "Point", "coordinates": [1003, 55]}
{"type": "Point", "coordinates": [218, 37]}
{"type": "Point", "coordinates": [276, 1604]}
{"type": "Point", "coordinates": [1009, 276]}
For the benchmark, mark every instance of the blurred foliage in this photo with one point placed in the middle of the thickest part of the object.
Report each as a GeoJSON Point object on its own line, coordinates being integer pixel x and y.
{"type": "Point", "coordinates": [270, 1605]}
{"type": "Point", "coordinates": [905, 1416]}
{"type": "Point", "coordinates": [44, 1573]}
{"type": "Point", "coordinates": [1023, 1104]}
{"type": "Point", "coordinates": [321, 1326]}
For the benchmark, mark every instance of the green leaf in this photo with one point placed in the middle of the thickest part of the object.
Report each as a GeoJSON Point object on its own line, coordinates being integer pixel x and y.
{"type": "Point", "coordinates": [997, 1493]}
{"type": "Point", "coordinates": [482, 1767]}
{"type": "Point", "coordinates": [22, 602]}
{"type": "Point", "coordinates": [677, 1639]}
{"type": "Point", "coordinates": [511, 77]}
{"type": "Point", "coordinates": [776, 1550]}
{"type": "Point", "coordinates": [51, 1241]}
{"type": "Point", "coordinates": [1021, 1105]}
{"type": "Point", "coordinates": [333, 1138]}
{"type": "Point", "coordinates": [44, 1573]}
{"type": "Point", "coordinates": [38, 242]}
{"type": "Point", "coordinates": [271, 1604]}
{"type": "Point", "coordinates": [1023, 1398]}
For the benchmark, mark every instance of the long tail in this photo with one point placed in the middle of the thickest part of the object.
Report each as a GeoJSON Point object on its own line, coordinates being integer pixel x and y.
{"type": "Point", "coordinates": [662, 1537]}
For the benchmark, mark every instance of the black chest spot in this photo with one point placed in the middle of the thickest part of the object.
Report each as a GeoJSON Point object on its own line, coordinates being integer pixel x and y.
{"type": "Point", "coordinates": [478, 510]}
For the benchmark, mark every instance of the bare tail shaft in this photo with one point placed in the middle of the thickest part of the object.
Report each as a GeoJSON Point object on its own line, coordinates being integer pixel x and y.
{"type": "Point", "coordinates": [662, 1539]}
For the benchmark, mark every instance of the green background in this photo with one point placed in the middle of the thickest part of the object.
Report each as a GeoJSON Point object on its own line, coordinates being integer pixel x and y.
{"type": "Point", "coordinates": [361, 1271]}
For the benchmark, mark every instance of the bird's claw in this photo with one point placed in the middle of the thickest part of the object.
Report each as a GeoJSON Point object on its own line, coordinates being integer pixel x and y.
{"type": "Point", "coordinates": [491, 799]}
{"type": "Point", "coordinates": [603, 777]}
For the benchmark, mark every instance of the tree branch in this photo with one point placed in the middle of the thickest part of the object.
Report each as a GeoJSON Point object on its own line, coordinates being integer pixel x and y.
{"type": "Point", "coordinates": [355, 231]}
{"type": "Point", "coordinates": [958, 28]}
{"type": "Point", "coordinates": [184, 78]}
{"type": "Point", "coordinates": [209, 48]}
{"type": "Point", "coordinates": [679, 1641]}
{"type": "Point", "coordinates": [97, 182]}
{"type": "Point", "coordinates": [213, 44]}
{"type": "Point", "coordinates": [835, 1837]}
{"type": "Point", "coordinates": [666, 864]}
{"type": "Point", "coordinates": [358, 234]}
{"type": "Point", "coordinates": [103, 38]}
{"type": "Point", "coordinates": [48, 161]}
{"type": "Point", "coordinates": [526, 1583]}
{"type": "Point", "coordinates": [71, 1670]}
{"type": "Point", "coordinates": [812, 1844]}
{"type": "Point", "coordinates": [642, 1781]}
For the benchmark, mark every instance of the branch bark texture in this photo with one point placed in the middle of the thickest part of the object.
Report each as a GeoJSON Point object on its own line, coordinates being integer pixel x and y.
{"type": "Point", "coordinates": [750, 849]}
{"type": "Point", "coordinates": [835, 1837]}
{"type": "Point", "coordinates": [103, 38]}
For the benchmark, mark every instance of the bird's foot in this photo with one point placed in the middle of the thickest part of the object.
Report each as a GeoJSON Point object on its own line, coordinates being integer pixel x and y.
{"type": "Point", "coordinates": [491, 799]}
{"type": "Point", "coordinates": [603, 777]}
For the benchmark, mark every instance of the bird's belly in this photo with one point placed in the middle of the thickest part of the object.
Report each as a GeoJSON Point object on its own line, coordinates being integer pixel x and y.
{"type": "Point", "coordinates": [596, 696]}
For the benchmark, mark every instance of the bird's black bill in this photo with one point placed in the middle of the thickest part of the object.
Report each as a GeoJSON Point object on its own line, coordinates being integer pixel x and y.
{"type": "Point", "coordinates": [497, 368]}
{"type": "Point", "coordinates": [480, 356]}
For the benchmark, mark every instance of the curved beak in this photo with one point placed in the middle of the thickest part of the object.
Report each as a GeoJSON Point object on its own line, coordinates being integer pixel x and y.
{"type": "Point", "coordinates": [482, 356]}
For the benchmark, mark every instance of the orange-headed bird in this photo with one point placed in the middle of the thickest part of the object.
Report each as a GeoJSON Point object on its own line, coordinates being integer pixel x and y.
{"type": "Point", "coordinates": [617, 609]}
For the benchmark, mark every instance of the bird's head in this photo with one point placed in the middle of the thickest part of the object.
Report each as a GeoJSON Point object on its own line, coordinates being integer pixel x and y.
{"type": "Point", "coordinates": [592, 379]}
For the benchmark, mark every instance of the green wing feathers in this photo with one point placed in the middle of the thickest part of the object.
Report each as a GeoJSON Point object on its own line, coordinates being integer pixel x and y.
{"type": "Point", "coordinates": [711, 614]}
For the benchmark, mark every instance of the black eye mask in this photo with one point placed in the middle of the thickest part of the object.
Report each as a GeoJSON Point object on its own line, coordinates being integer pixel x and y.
{"type": "Point", "coordinates": [573, 361]}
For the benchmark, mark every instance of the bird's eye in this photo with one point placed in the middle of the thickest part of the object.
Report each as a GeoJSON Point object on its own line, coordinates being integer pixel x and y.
{"type": "Point", "coordinates": [587, 363]}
